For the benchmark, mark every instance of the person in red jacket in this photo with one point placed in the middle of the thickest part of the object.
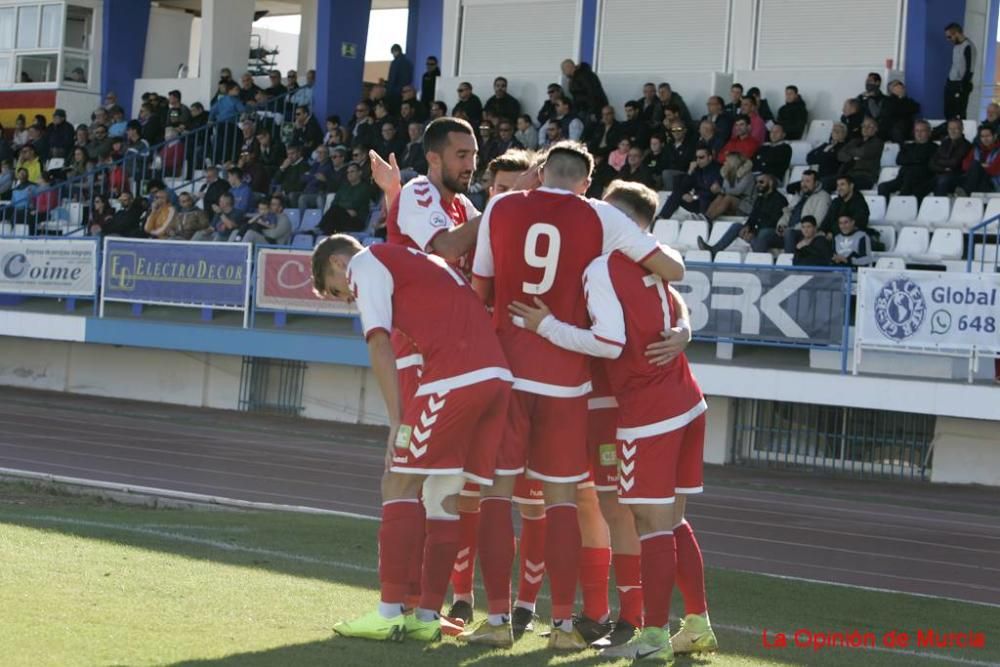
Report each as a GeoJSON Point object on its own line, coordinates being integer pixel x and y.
{"type": "Point", "coordinates": [982, 165]}
{"type": "Point", "coordinates": [741, 142]}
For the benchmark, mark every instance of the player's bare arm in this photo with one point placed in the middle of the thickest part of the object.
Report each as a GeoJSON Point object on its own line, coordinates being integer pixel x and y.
{"type": "Point", "coordinates": [453, 244]}
{"type": "Point", "coordinates": [383, 362]}
{"type": "Point", "coordinates": [676, 339]}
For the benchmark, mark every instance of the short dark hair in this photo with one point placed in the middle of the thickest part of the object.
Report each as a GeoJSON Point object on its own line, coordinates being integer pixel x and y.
{"type": "Point", "coordinates": [235, 171]}
{"type": "Point", "coordinates": [436, 134]}
{"type": "Point", "coordinates": [957, 27]}
{"type": "Point", "coordinates": [717, 99]}
{"type": "Point", "coordinates": [334, 118]}
{"type": "Point", "coordinates": [754, 92]}
{"type": "Point", "coordinates": [174, 93]}
{"type": "Point", "coordinates": [794, 89]}
{"type": "Point", "coordinates": [438, 104]}
{"type": "Point", "coordinates": [745, 118]}
{"type": "Point", "coordinates": [875, 75]}
{"type": "Point", "coordinates": [500, 78]}
{"type": "Point", "coordinates": [227, 195]}
{"type": "Point", "coordinates": [811, 172]}
{"type": "Point", "coordinates": [302, 107]}
{"type": "Point", "coordinates": [811, 219]}
{"type": "Point", "coordinates": [514, 159]}
{"type": "Point", "coordinates": [737, 85]}
{"type": "Point", "coordinates": [280, 198]}
{"type": "Point", "coordinates": [636, 196]}
{"type": "Point", "coordinates": [846, 177]}
{"type": "Point", "coordinates": [749, 98]}
{"type": "Point", "coordinates": [338, 244]}
{"type": "Point", "coordinates": [631, 104]}
{"type": "Point", "coordinates": [988, 128]}
{"type": "Point", "coordinates": [566, 151]}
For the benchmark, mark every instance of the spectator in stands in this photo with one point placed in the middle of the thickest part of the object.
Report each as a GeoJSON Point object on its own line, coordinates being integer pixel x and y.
{"type": "Point", "coordinates": [274, 227]}
{"type": "Point", "coordinates": [332, 136]}
{"type": "Point", "coordinates": [428, 82]}
{"type": "Point", "coordinates": [408, 113]}
{"type": "Point", "coordinates": [671, 117]}
{"type": "Point", "coordinates": [81, 138]}
{"type": "Point", "coordinates": [351, 207]}
{"type": "Point", "coordinates": [656, 160]}
{"type": "Point", "coordinates": [993, 117]}
{"type": "Point", "coordinates": [29, 161]}
{"type": "Point", "coordinates": [734, 192]}
{"type": "Point", "coordinates": [152, 128]}
{"type": "Point", "coordinates": [758, 128]}
{"type": "Point", "coordinates": [400, 72]}
{"type": "Point", "coordinates": [852, 117]}
{"type": "Point", "coordinates": [198, 119]}
{"type": "Point", "coordinates": [569, 123]}
{"type": "Point", "coordinates": [359, 155]}
{"type": "Point", "coordinates": [709, 137]}
{"type": "Point", "coordinates": [813, 203]}
{"type": "Point", "coordinates": [248, 140]}
{"type": "Point", "coordinates": [100, 116]}
{"type": "Point", "coordinates": [99, 145]}
{"type": "Point", "coordinates": [763, 108]}
{"type": "Point", "coordinates": [178, 114]}
{"type": "Point", "coordinates": [812, 248]}
{"type": "Point", "coordinates": [225, 223]}
{"type": "Point", "coordinates": [760, 228]}
{"type": "Point", "coordinates": [824, 157]}
{"type": "Point", "coordinates": [651, 112]}
{"type": "Point", "coordinates": [362, 125]}
{"type": "Point", "coordinates": [733, 109]}
{"type": "Point", "coordinates": [7, 177]}
{"type": "Point", "coordinates": [21, 196]}
{"type": "Point", "coordinates": [526, 133]}
{"type": "Point", "coordinates": [898, 113]}
{"type": "Point", "coordinates": [303, 95]}
{"type": "Point", "coordinates": [793, 115]}
{"type": "Point", "coordinates": [680, 152]}
{"type": "Point", "coordinates": [618, 157]}
{"type": "Point", "coordinates": [118, 122]}
{"type": "Point", "coordinates": [505, 140]}
{"type": "Point", "coordinates": [61, 135]}
{"type": "Point", "coordinates": [276, 88]}
{"type": "Point", "coordinates": [127, 221]}
{"type": "Point", "coordinates": [861, 158]}
{"type": "Point", "coordinates": [848, 202]}
{"type": "Point", "coordinates": [338, 161]}
{"type": "Point", "coordinates": [872, 98]}
{"type": "Point", "coordinates": [414, 160]}
{"type": "Point", "coordinates": [438, 110]}
{"type": "Point", "coordinates": [160, 216]}
{"type": "Point", "coordinates": [501, 103]}
{"type": "Point", "coordinates": [949, 158]}
{"type": "Point", "coordinates": [213, 188]}
{"type": "Point", "coordinates": [741, 141]}
{"type": "Point", "coordinates": [604, 134]}
{"type": "Point", "coordinates": [722, 123]}
{"type": "Point", "coordinates": [290, 173]}
{"type": "Point", "coordinates": [39, 140]}
{"type": "Point", "coordinates": [584, 88]}
{"type": "Point", "coordinates": [551, 134]}
{"type": "Point", "coordinates": [914, 160]}
{"type": "Point", "coordinates": [959, 84]}
{"type": "Point", "coordinates": [247, 89]}
{"type": "Point", "coordinates": [20, 136]}
{"type": "Point", "coordinates": [548, 110]}
{"type": "Point", "coordinates": [188, 221]}
{"type": "Point", "coordinates": [981, 165]}
{"type": "Point", "coordinates": [172, 154]}
{"type": "Point", "coordinates": [315, 182]}
{"type": "Point", "coordinates": [254, 174]}
{"type": "Point", "coordinates": [419, 108]}
{"type": "Point", "coordinates": [852, 247]}
{"type": "Point", "coordinates": [667, 97]}
{"type": "Point", "coordinates": [307, 130]}
{"type": "Point", "coordinates": [633, 128]}
{"type": "Point", "coordinates": [635, 170]}
{"type": "Point", "coordinates": [698, 188]}
{"type": "Point", "coordinates": [100, 215]}
{"type": "Point", "coordinates": [468, 104]}
{"type": "Point", "coordinates": [136, 150]}
{"type": "Point", "coordinates": [239, 190]}
{"type": "Point", "coordinates": [270, 154]}
{"type": "Point", "coordinates": [389, 141]}
{"type": "Point", "coordinates": [775, 156]}
{"type": "Point", "coordinates": [78, 164]}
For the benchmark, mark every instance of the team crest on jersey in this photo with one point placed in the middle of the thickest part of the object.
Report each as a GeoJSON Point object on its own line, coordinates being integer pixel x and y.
{"type": "Point", "coordinates": [403, 437]}
{"type": "Point", "coordinates": [608, 454]}
{"type": "Point", "coordinates": [438, 220]}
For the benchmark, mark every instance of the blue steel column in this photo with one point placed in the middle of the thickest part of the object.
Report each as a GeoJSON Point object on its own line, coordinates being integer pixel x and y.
{"type": "Point", "coordinates": [928, 53]}
{"type": "Point", "coordinates": [338, 76]}
{"type": "Point", "coordinates": [588, 33]}
{"type": "Point", "coordinates": [423, 36]}
{"type": "Point", "coordinates": [123, 49]}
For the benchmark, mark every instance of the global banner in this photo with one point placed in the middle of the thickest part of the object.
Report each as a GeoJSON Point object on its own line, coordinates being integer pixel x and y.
{"type": "Point", "coordinates": [929, 310]}
{"type": "Point", "coordinates": [284, 282]}
{"type": "Point", "coordinates": [768, 306]}
{"type": "Point", "coordinates": [42, 267]}
{"type": "Point", "coordinates": [180, 273]}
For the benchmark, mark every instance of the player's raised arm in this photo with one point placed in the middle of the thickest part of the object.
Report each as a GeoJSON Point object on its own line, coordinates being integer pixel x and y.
{"type": "Point", "coordinates": [622, 234]}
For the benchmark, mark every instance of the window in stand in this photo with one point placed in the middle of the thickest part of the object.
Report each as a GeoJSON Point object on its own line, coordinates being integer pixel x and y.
{"type": "Point", "coordinates": [51, 25]}
{"type": "Point", "coordinates": [79, 27]}
{"type": "Point", "coordinates": [37, 67]}
{"type": "Point", "coordinates": [7, 24]}
{"type": "Point", "coordinates": [27, 27]}
{"type": "Point", "coordinates": [76, 69]}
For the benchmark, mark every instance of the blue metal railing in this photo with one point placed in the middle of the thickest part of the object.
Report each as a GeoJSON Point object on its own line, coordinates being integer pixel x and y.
{"type": "Point", "coordinates": [987, 257]}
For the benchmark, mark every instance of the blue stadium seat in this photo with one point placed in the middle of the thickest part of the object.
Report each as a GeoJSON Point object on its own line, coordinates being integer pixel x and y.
{"type": "Point", "coordinates": [311, 219]}
{"type": "Point", "coordinates": [293, 217]}
{"type": "Point", "coordinates": [303, 241]}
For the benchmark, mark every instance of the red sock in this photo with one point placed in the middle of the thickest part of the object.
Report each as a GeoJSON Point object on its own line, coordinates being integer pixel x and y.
{"type": "Point", "coordinates": [690, 570]}
{"type": "Point", "coordinates": [628, 580]}
{"type": "Point", "coordinates": [562, 557]}
{"type": "Point", "coordinates": [659, 564]}
{"type": "Point", "coordinates": [465, 559]}
{"type": "Point", "coordinates": [531, 552]}
{"type": "Point", "coordinates": [416, 563]}
{"type": "Point", "coordinates": [439, 556]}
{"type": "Point", "coordinates": [496, 552]}
{"type": "Point", "coordinates": [398, 538]}
{"type": "Point", "coordinates": [595, 567]}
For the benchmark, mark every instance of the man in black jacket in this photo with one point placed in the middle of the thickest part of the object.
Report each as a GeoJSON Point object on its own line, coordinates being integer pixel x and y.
{"type": "Point", "coordinates": [812, 249]}
{"type": "Point", "coordinates": [948, 158]}
{"type": "Point", "coordinates": [722, 121]}
{"type": "Point", "coordinates": [633, 128]}
{"type": "Point", "coordinates": [679, 152]}
{"type": "Point", "coordinates": [585, 88]}
{"type": "Point", "coordinates": [848, 202]}
{"type": "Point", "coordinates": [735, 100]}
{"type": "Point", "coordinates": [793, 115]}
{"type": "Point", "coordinates": [667, 96]}
{"type": "Point", "coordinates": [774, 157]}
{"type": "Point", "coordinates": [606, 133]}
{"type": "Point", "coordinates": [898, 112]}
{"type": "Point", "coordinates": [127, 222]}
{"type": "Point", "coordinates": [428, 82]}
{"type": "Point", "coordinates": [695, 190]}
{"type": "Point", "coordinates": [468, 104]}
{"type": "Point", "coordinates": [914, 160]}
{"type": "Point", "coordinates": [760, 228]}
{"type": "Point", "coordinates": [504, 105]}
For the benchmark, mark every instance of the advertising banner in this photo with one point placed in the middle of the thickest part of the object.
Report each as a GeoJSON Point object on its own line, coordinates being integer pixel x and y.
{"type": "Point", "coordinates": [42, 267]}
{"type": "Point", "coordinates": [929, 310]}
{"type": "Point", "coordinates": [180, 273]}
{"type": "Point", "coordinates": [284, 282]}
{"type": "Point", "coordinates": [767, 305]}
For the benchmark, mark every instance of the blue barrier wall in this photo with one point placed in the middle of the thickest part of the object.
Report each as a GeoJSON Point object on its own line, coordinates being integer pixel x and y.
{"type": "Point", "coordinates": [123, 51]}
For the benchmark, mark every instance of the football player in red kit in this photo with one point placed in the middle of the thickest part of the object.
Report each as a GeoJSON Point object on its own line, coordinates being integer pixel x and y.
{"type": "Point", "coordinates": [661, 430]}
{"type": "Point", "coordinates": [447, 433]}
{"type": "Point", "coordinates": [538, 243]}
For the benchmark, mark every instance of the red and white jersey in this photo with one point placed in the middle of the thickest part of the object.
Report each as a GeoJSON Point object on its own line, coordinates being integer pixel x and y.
{"type": "Point", "coordinates": [420, 295]}
{"type": "Point", "coordinates": [538, 244]}
{"type": "Point", "coordinates": [630, 307]}
{"type": "Point", "coordinates": [601, 395]}
{"type": "Point", "coordinates": [419, 214]}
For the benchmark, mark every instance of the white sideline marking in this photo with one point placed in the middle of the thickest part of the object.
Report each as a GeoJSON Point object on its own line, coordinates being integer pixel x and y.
{"type": "Point", "coordinates": [274, 553]}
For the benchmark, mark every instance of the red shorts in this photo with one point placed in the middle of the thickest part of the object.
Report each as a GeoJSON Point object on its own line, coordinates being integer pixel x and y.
{"type": "Point", "coordinates": [528, 491]}
{"type": "Point", "coordinates": [545, 437]}
{"type": "Point", "coordinates": [470, 490]}
{"type": "Point", "coordinates": [653, 469]}
{"type": "Point", "coordinates": [602, 448]}
{"type": "Point", "coordinates": [453, 433]}
{"type": "Point", "coordinates": [409, 366]}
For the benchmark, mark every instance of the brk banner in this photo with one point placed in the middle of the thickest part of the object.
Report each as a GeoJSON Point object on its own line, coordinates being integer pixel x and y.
{"type": "Point", "coordinates": [284, 282]}
{"type": "Point", "coordinates": [929, 310]}
{"type": "Point", "coordinates": [180, 273]}
{"type": "Point", "coordinates": [39, 266]}
{"type": "Point", "coordinates": [767, 305]}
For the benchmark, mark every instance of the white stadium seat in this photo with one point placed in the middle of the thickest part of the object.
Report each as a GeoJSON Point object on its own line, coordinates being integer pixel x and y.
{"type": "Point", "coordinates": [796, 173]}
{"type": "Point", "coordinates": [800, 149]}
{"type": "Point", "coordinates": [819, 132]}
{"type": "Point", "coordinates": [936, 122]}
{"type": "Point", "coordinates": [666, 231]}
{"type": "Point", "coordinates": [988, 251]}
{"type": "Point", "coordinates": [966, 213]}
{"type": "Point", "coordinates": [889, 152]}
{"type": "Point", "coordinates": [896, 263]}
{"type": "Point", "coordinates": [911, 242]}
{"type": "Point", "coordinates": [970, 128]}
{"type": "Point", "coordinates": [887, 235]}
{"type": "Point", "coordinates": [698, 256]}
{"type": "Point", "coordinates": [728, 257]}
{"type": "Point", "coordinates": [992, 209]}
{"type": "Point", "coordinates": [758, 258]}
{"type": "Point", "coordinates": [785, 259]}
{"type": "Point", "coordinates": [718, 230]}
{"type": "Point", "coordinates": [955, 265]}
{"type": "Point", "coordinates": [691, 231]}
{"type": "Point", "coordinates": [934, 211]}
{"type": "Point", "coordinates": [945, 244]}
{"type": "Point", "coordinates": [876, 208]}
{"type": "Point", "coordinates": [902, 210]}
{"type": "Point", "coordinates": [887, 174]}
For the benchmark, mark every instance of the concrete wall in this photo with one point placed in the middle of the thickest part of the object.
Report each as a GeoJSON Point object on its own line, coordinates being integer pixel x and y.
{"type": "Point", "coordinates": [966, 451]}
{"type": "Point", "coordinates": [168, 43]}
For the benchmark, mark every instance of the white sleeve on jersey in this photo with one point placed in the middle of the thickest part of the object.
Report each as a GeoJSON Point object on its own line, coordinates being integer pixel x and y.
{"type": "Point", "coordinates": [421, 216]}
{"type": "Point", "coordinates": [621, 233]}
{"type": "Point", "coordinates": [372, 286]}
{"type": "Point", "coordinates": [606, 336]}
{"type": "Point", "coordinates": [482, 262]}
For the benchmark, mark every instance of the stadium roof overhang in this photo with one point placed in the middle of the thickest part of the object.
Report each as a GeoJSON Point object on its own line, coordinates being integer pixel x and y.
{"type": "Point", "coordinates": [273, 7]}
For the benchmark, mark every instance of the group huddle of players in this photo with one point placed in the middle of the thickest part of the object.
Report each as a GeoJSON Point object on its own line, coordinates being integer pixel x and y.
{"type": "Point", "coordinates": [556, 380]}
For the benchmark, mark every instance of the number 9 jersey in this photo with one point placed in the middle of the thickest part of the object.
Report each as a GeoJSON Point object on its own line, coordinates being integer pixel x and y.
{"type": "Point", "coordinates": [538, 244]}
